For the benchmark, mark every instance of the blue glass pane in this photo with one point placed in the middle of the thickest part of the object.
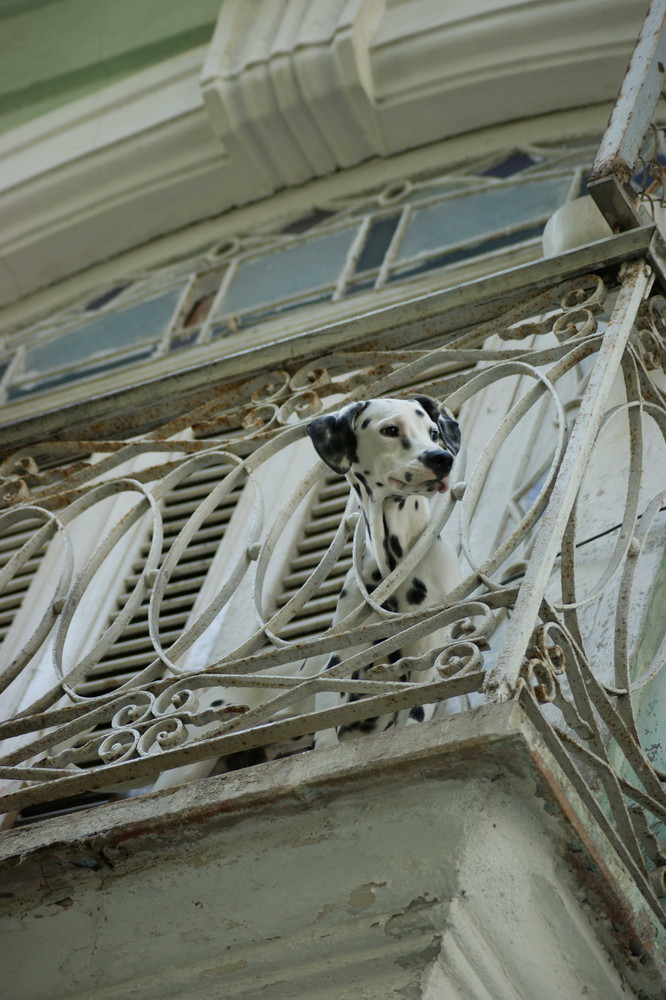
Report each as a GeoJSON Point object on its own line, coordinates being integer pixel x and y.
{"type": "Point", "coordinates": [466, 253]}
{"type": "Point", "coordinates": [511, 165]}
{"type": "Point", "coordinates": [377, 243]}
{"type": "Point", "coordinates": [308, 222]}
{"type": "Point", "coordinates": [288, 272]}
{"type": "Point", "coordinates": [102, 300]}
{"type": "Point", "coordinates": [248, 319]}
{"type": "Point", "coordinates": [139, 324]}
{"type": "Point", "coordinates": [54, 381]}
{"type": "Point", "coordinates": [458, 220]}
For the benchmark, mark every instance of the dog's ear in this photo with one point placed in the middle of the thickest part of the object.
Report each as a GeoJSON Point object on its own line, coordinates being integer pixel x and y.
{"type": "Point", "coordinates": [449, 428]}
{"type": "Point", "coordinates": [334, 438]}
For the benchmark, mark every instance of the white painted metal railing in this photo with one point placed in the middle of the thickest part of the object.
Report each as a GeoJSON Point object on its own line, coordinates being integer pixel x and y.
{"type": "Point", "coordinates": [545, 390]}
{"type": "Point", "coordinates": [556, 370]}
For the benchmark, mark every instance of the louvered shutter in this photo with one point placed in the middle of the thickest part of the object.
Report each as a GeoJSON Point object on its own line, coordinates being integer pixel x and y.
{"type": "Point", "coordinates": [133, 650]}
{"type": "Point", "coordinates": [12, 596]}
{"type": "Point", "coordinates": [318, 530]}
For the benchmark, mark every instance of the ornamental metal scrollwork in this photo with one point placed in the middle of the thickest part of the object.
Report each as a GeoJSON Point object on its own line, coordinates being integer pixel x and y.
{"type": "Point", "coordinates": [245, 661]}
{"type": "Point", "coordinates": [649, 339]}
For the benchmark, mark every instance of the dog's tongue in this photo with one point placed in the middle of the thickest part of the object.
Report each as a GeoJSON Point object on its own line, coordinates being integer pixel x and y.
{"type": "Point", "coordinates": [442, 487]}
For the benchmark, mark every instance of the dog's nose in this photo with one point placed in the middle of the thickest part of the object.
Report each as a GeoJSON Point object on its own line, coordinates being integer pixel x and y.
{"type": "Point", "coordinates": [439, 461]}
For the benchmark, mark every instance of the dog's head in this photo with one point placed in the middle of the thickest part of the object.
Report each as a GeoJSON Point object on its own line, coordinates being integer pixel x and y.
{"type": "Point", "coordinates": [396, 446]}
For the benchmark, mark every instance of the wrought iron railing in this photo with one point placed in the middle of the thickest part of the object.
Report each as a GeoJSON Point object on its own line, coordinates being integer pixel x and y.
{"type": "Point", "coordinates": [546, 391]}
{"type": "Point", "coordinates": [558, 513]}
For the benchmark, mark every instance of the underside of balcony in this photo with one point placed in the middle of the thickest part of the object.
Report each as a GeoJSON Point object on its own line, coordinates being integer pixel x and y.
{"type": "Point", "coordinates": [451, 859]}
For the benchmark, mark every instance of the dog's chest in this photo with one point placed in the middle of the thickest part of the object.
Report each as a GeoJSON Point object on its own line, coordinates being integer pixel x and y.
{"type": "Point", "coordinates": [422, 587]}
{"type": "Point", "coordinates": [389, 541]}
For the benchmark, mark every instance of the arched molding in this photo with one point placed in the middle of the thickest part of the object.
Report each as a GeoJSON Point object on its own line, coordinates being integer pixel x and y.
{"type": "Point", "coordinates": [288, 92]}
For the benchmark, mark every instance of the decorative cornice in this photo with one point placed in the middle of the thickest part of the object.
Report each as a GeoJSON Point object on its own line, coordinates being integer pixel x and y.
{"type": "Point", "coordinates": [290, 91]}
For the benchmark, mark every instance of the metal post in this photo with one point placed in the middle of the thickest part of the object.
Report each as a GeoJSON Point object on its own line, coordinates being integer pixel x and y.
{"type": "Point", "coordinates": [503, 678]}
{"type": "Point", "coordinates": [630, 119]}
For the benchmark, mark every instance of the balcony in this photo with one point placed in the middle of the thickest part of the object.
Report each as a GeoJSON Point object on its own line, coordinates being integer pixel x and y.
{"type": "Point", "coordinates": [174, 553]}
{"type": "Point", "coordinates": [554, 363]}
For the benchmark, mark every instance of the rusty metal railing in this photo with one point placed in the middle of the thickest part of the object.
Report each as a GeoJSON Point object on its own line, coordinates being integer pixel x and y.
{"type": "Point", "coordinates": [620, 153]}
{"type": "Point", "coordinates": [557, 513]}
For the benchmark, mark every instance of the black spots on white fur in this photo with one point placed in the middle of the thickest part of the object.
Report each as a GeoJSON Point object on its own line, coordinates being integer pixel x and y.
{"type": "Point", "coordinates": [417, 592]}
{"type": "Point", "coordinates": [333, 661]}
{"type": "Point", "coordinates": [376, 575]}
{"type": "Point", "coordinates": [343, 592]}
{"type": "Point", "coordinates": [417, 713]}
{"type": "Point", "coordinates": [390, 604]}
{"type": "Point", "coordinates": [390, 558]}
{"type": "Point", "coordinates": [395, 545]}
{"type": "Point", "coordinates": [406, 443]}
{"type": "Point", "coordinates": [389, 551]}
{"type": "Point", "coordinates": [365, 484]}
{"type": "Point", "coordinates": [365, 423]}
{"type": "Point", "coordinates": [218, 703]}
{"type": "Point", "coordinates": [363, 726]}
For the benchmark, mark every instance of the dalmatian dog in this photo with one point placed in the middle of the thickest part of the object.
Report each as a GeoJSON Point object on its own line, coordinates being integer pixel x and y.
{"type": "Point", "coordinates": [396, 455]}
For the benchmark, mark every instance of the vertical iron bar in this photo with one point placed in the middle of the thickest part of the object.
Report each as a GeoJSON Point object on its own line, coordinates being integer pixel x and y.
{"type": "Point", "coordinates": [503, 678]}
{"type": "Point", "coordinates": [630, 119]}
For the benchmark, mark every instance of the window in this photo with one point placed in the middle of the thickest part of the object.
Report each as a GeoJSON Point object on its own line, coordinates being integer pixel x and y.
{"type": "Point", "coordinates": [414, 228]}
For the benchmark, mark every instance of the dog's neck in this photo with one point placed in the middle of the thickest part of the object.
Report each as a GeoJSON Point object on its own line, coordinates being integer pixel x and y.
{"type": "Point", "coordinates": [393, 523]}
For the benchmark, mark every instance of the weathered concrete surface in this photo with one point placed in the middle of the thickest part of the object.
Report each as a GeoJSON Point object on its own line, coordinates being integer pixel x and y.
{"type": "Point", "coordinates": [450, 860]}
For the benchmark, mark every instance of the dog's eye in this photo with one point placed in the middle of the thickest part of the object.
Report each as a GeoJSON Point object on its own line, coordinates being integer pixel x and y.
{"type": "Point", "coordinates": [390, 431]}
{"type": "Point", "coordinates": [434, 434]}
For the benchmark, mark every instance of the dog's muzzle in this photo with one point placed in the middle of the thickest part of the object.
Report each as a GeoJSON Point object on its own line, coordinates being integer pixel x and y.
{"type": "Point", "coordinates": [438, 461]}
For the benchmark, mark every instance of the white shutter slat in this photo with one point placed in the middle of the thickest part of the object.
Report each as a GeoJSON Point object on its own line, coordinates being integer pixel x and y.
{"type": "Point", "coordinates": [13, 594]}
{"type": "Point", "coordinates": [317, 533]}
{"type": "Point", "coordinates": [133, 650]}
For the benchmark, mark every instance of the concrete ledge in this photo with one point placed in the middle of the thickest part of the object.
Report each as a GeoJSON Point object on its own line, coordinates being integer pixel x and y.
{"type": "Point", "coordinates": [430, 859]}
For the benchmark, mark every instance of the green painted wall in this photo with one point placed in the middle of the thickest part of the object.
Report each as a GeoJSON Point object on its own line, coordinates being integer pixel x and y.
{"type": "Point", "coordinates": [55, 51]}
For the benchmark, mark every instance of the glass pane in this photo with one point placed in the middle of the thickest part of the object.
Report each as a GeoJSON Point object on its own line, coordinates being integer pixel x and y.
{"type": "Point", "coordinates": [275, 309]}
{"type": "Point", "coordinates": [54, 381]}
{"type": "Point", "coordinates": [102, 300]}
{"type": "Point", "coordinates": [138, 324]}
{"type": "Point", "coordinates": [438, 226]}
{"type": "Point", "coordinates": [513, 164]}
{"type": "Point", "coordinates": [287, 272]}
{"type": "Point", "coordinates": [308, 222]}
{"type": "Point", "coordinates": [460, 254]}
{"type": "Point", "coordinates": [377, 243]}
